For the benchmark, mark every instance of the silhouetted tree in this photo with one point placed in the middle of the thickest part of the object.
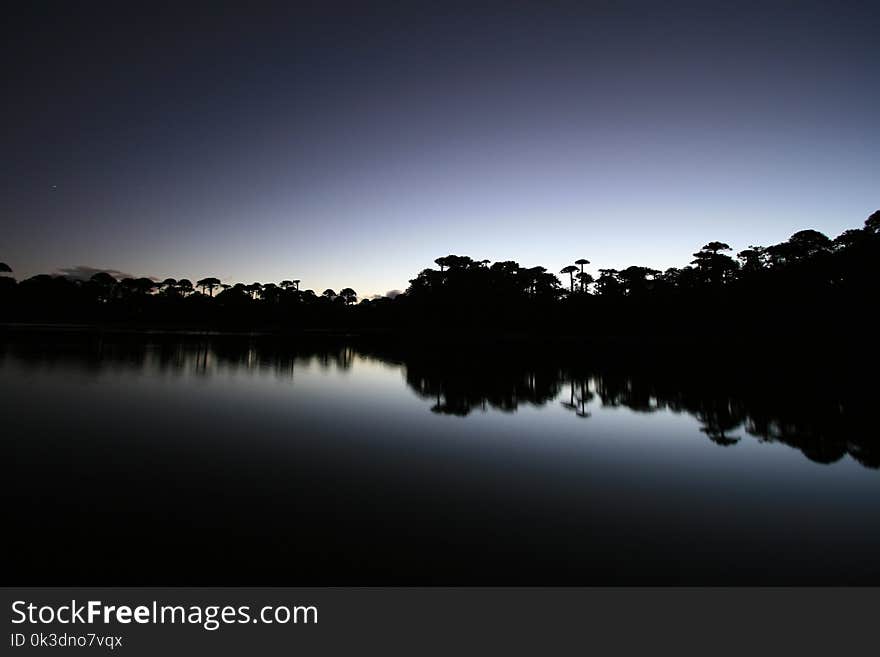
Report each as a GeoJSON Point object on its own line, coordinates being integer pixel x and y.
{"type": "Point", "coordinates": [570, 270]}
{"type": "Point", "coordinates": [715, 247]}
{"type": "Point", "coordinates": [208, 284]}
{"type": "Point", "coordinates": [103, 285]}
{"type": "Point", "coordinates": [103, 279]}
{"type": "Point", "coordinates": [270, 292]}
{"type": "Point", "coordinates": [581, 262]}
{"type": "Point", "coordinates": [852, 238]}
{"type": "Point", "coordinates": [184, 286]}
{"type": "Point", "coordinates": [635, 279]}
{"type": "Point", "coordinates": [609, 284]}
{"type": "Point", "coordinates": [169, 286]}
{"type": "Point", "coordinates": [144, 285]}
{"type": "Point", "coordinates": [753, 259]}
{"type": "Point", "coordinates": [584, 279]}
{"type": "Point", "coordinates": [254, 289]}
{"type": "Point", "coordinates": [715, 268]}
{"type": "Point", "coordinates": [809, 243]}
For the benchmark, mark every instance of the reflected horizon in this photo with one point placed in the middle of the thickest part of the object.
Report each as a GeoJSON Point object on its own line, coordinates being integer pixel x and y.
{"type": "Point", "coordinates": [460, 387]}
{"type": "Point", "coordinates": [190, 460]}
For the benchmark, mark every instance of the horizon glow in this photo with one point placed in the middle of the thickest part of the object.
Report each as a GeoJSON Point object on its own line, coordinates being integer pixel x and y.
{"type": "Point", "coordinates": [351, 149]}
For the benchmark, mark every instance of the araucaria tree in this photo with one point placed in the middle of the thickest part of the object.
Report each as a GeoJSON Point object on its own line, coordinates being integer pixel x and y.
{"type": "Point", "coordinates": [208, 284]}
{"type": "Point", "coordinates": [570, 270]}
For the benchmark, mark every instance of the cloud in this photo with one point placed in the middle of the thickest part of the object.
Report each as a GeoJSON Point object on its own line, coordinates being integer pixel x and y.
{"type": "Point", "coordinates": [390, 294]}
{"type": "Point", "coordinates": [84, 272]}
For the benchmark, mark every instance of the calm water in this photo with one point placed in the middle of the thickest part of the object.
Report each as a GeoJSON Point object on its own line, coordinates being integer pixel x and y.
{"type": "Point", "coordinates": [231, 461]}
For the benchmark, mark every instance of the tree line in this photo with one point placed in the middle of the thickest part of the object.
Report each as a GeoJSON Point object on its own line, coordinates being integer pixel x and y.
{"type": "Point", "coordinates": [794, 283]}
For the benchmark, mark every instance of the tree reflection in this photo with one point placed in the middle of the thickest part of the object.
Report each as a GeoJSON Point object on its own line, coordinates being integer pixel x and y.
{"type": "Point", "coordinates": [793, 409]}
{"type": "Point", "coordinates": [579, 396]}
{"type": "Point", "coordinates": [820, 413]}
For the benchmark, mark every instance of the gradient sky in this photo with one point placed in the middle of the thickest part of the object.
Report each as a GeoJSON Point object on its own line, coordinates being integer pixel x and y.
{"type": "Point", "coordinates": [352, 146]}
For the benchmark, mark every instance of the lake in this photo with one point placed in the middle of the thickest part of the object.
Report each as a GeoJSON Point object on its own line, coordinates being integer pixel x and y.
{"type": "Point", "coordinates": [231, 461]}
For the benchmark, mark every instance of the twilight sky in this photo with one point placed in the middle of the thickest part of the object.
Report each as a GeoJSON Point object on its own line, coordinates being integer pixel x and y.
{"type": "Point", "coordinates": [352, 146]}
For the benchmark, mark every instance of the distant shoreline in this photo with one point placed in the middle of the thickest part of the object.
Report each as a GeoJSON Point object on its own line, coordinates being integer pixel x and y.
{"type": "Point", "coordinates": [722, 349]}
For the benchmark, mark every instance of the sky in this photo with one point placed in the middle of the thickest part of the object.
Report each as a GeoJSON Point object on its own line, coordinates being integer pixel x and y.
{"type": "Point", "coordinates": [353, 145]}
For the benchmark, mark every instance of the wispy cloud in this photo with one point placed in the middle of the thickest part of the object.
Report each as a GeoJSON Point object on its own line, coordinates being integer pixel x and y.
{"type": "Point", "coordinates": [85, 272]}
{"type": "Point", "coordinates": [390, 294]}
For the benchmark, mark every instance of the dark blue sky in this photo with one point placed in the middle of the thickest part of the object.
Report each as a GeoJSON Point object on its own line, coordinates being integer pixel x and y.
{"type": "Point", "coordinates": [353, 146]}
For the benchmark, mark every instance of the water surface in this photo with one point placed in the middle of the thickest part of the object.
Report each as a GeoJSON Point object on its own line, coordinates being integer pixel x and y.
{"type": "Point", "coordinates": [238, 461]}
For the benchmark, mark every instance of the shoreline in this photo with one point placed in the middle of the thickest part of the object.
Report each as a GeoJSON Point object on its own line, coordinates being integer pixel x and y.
{"type": "Point", "coordinates": [767, 353]}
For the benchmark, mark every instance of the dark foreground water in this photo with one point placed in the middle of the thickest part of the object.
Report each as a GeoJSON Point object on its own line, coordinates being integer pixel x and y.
{"type": "Point", "coordinates": [234, 461]}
